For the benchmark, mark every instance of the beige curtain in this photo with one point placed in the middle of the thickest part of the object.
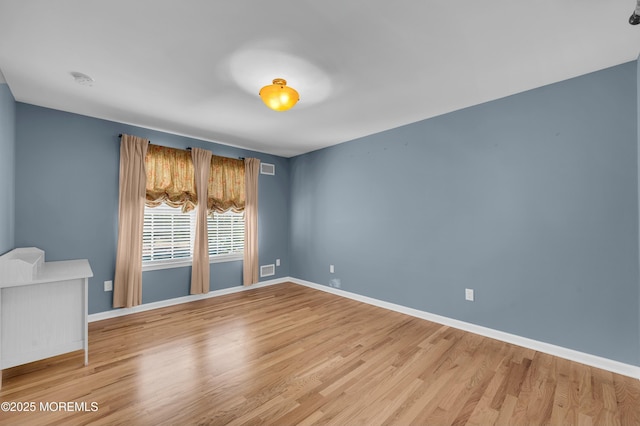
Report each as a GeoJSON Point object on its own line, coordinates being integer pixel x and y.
{"type": "Point", "coordinates": [250, 267]}
{"type": "Point", "coordinates": [127, 287]}
{"type": "Point", "coordinates": [200, 268]}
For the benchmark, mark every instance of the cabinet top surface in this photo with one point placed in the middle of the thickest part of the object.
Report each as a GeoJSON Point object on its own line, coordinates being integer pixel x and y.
{"type": "Point", "coordinates": [57, 271]}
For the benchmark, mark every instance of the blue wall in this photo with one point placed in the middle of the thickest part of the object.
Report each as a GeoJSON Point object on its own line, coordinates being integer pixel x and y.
{"type": "Point", "coordinates": [7, 170]}
{"type": "Point", "coordinates": [531, 200]}
{"type": "Point", "coordinates": [67, 200]}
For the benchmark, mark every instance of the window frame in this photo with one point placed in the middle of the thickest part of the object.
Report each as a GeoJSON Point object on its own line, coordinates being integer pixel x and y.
{"type": "Point", "coordinates": [154, 265]}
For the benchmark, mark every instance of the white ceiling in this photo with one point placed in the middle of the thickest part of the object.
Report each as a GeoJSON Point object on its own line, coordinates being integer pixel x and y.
{"type": "Point", "coordinates": [194, 67]}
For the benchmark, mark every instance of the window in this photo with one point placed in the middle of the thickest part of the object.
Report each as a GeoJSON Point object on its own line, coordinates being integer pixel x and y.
{"type": "Point", "coordinates": [168, 236]}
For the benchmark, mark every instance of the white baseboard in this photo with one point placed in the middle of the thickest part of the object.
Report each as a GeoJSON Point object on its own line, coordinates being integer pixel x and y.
{"type": "Point", "coordinates": [559, 351]}
{"type": "Point", "coordinates": [178, 300]}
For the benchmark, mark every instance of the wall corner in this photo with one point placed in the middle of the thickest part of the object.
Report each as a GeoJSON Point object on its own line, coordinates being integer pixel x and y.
{"type": "Point", "coordinates": [638, 171]}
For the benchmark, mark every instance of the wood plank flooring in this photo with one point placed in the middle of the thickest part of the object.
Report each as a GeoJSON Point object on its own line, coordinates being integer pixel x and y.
{"type": "Point", "coordinates": [287, 355]}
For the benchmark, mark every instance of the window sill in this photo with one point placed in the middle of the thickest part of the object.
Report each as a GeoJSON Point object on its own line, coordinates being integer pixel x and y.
{"type": "Point", "coordinates": [169, 264]}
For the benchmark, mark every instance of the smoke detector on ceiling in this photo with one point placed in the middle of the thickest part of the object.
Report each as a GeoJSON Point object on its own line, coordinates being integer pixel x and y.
{"type": "Point", "coordinates": [635, 17]}
{"type": "Point", "coordinates": [82, 79]}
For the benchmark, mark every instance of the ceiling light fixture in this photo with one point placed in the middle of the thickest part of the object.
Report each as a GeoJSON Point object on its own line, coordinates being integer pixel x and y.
{"type": "Point", "coordinates": [278, 96]}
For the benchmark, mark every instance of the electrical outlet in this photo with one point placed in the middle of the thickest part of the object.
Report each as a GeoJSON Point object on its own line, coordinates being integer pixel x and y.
{"type": "Point", "coordinates": [468, 294]}
{"type": "Point", "coordinates": [331, 269]}
{"type": "Point", "coordinates": [108, 285]}
{"type": "Point", "coordinates": [277, 262]}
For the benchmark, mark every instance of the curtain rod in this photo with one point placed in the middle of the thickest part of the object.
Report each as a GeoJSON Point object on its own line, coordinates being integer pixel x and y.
{"type": "Point", "coordinates": [120, 136]}
{"type": "Point", "coordinates": [188, 148]}
{"type": "Point", "coordinates": [239, 158]}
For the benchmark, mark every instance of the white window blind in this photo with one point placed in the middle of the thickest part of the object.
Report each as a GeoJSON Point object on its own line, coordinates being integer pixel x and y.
{"type": "Point", "coordinates": [168, 235]}
{"type": "Point", "coordinates": [226, 233]}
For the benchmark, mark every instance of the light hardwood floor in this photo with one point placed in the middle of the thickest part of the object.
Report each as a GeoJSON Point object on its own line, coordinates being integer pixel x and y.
{"type": "Point", "coordinates": [287, 354]}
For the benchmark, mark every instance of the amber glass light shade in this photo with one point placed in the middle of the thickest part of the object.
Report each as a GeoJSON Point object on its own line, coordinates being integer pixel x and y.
{"type": "Point", "coordinates": [278, 96]}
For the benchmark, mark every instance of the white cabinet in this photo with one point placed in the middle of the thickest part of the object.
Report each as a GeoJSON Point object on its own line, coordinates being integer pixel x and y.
{"type": "Point", "coordinates": [43, 307]}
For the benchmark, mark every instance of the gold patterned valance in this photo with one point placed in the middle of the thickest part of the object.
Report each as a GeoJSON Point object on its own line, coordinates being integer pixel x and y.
{"type": "Point", "coordinates": [170, 180]}
{"type": "Point", "coordinates": [226, 185]}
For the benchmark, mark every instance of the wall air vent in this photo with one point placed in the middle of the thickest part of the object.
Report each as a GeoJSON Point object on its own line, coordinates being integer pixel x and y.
{"type": "Point", "coordinates": [267, 270]}
{"type": "Point", "coordinates": [267, 169]}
